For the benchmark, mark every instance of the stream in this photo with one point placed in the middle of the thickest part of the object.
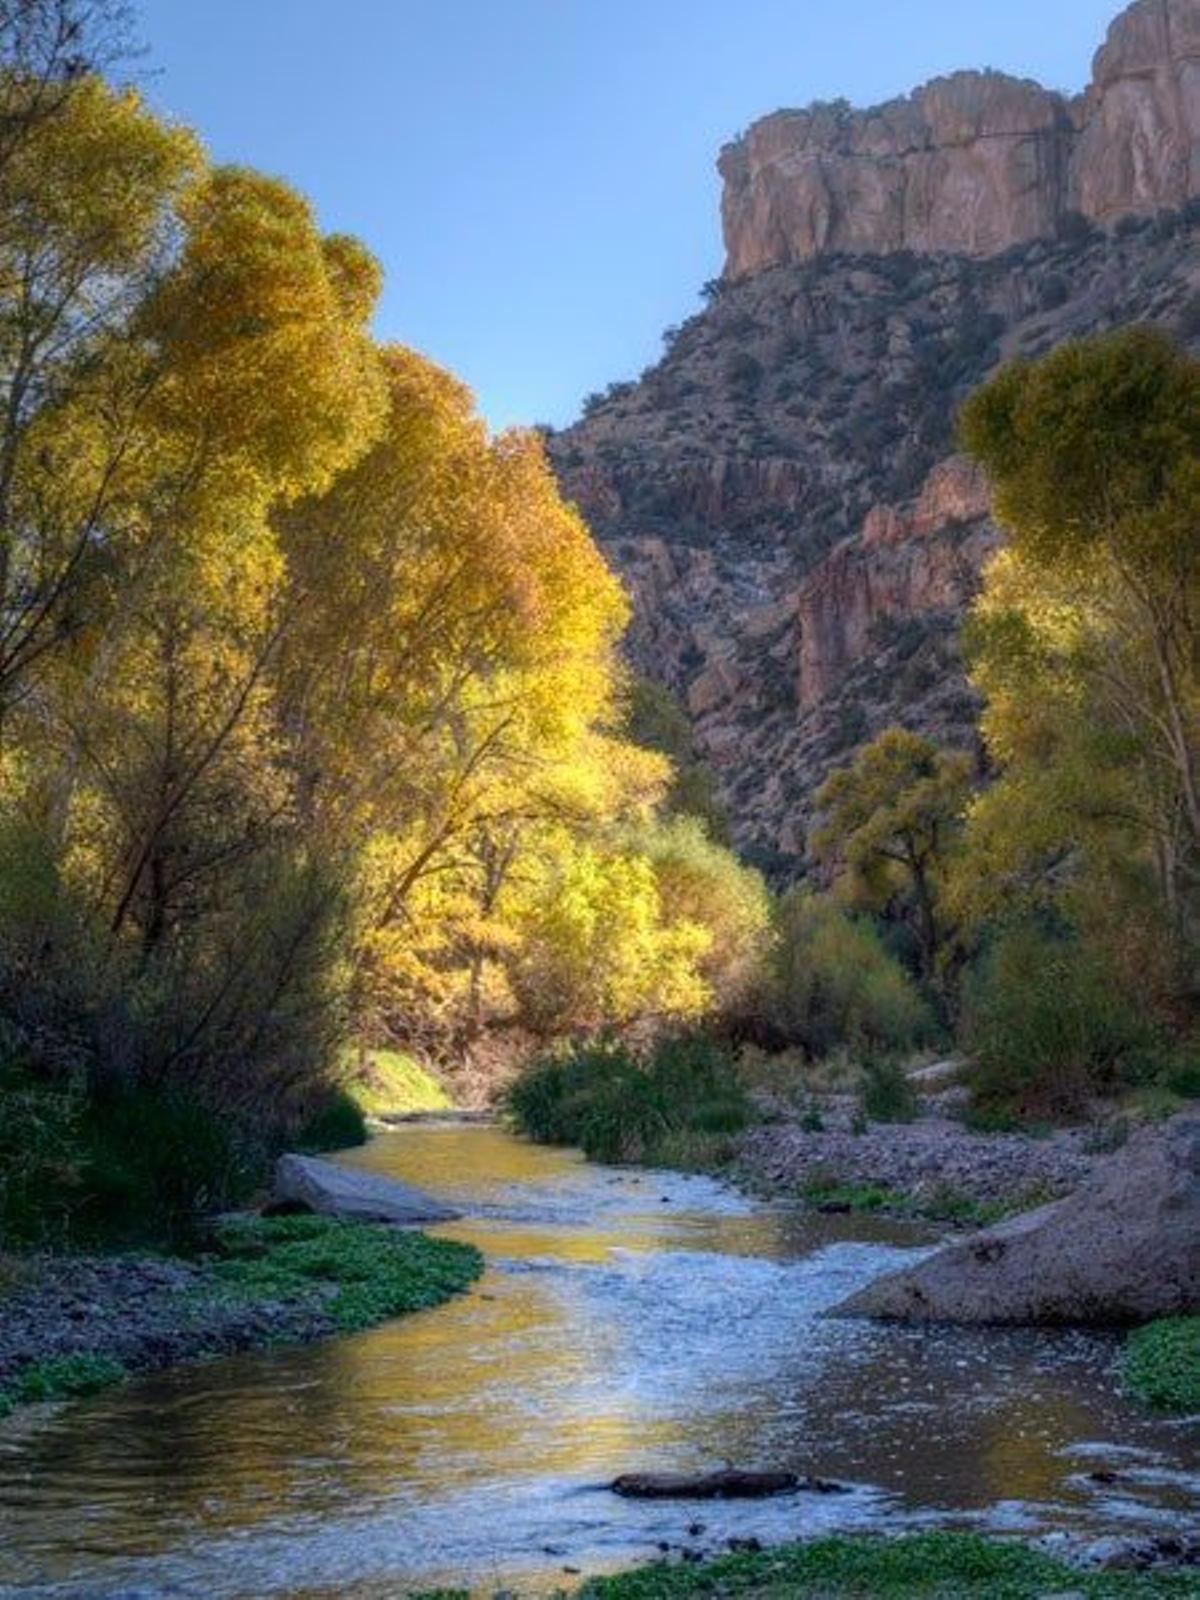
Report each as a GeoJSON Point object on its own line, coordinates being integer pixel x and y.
{"type": "Point", "coordinates": [627, 1320]}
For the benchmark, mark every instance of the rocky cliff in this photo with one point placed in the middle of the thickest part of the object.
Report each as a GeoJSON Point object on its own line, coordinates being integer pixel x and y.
{"type": "Point", "coordinates": [780, 491]}
{"type": "Point", "coordinates": [978, 161]}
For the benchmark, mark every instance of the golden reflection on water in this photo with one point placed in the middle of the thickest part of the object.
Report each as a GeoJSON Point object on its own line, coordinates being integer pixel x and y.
{"type": "Point", "coordinates": [610, 1331]}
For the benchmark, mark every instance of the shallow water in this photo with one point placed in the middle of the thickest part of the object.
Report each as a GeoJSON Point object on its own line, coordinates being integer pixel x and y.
{"type": "Point", "coordinates": [626, 1321]}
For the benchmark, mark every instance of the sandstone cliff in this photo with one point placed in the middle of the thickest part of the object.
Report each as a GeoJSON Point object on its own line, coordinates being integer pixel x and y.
{"type": "Point", "coordinates": [975, 162]}
{"type": "Point", "coordinates": [780, 492]}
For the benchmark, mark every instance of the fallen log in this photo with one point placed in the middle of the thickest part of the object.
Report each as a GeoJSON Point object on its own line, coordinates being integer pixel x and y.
{"type": "Point", "coordinates": [727, 1485]}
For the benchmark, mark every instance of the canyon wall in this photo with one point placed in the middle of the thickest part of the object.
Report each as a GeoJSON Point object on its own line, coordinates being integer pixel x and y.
{"type": "Point", "coordinates": [780, 491]}
{"type": "Point", "coordinates": [976, 162]}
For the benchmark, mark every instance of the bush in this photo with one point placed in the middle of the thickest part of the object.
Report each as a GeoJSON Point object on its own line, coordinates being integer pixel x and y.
{"type": "Point", "coordinates": [115, 1166]}
{"type": "Point", "coordinates": [338, 1125]}
{"type": "Point", "coordinates": [40, 1158]}
{"type": "Point", "coordinates": [156, 1163]}
{"type": "Point", "coordinates": [886, 1094]}
{"type": "Point", "coordinates": [1048, 1026]}
{"type": "Point", "coordinates": [831, 983]}
{"type": "Point", "coordinates": [679, 1106]}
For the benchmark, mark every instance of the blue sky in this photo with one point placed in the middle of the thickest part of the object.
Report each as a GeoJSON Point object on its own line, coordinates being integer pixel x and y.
{"type": "Point", "coordinates": [537, 175]}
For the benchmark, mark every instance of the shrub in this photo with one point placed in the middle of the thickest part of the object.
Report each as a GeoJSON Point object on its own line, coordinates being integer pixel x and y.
{"type": "Point", "coordinates": [1047, 1024]}
{"type": "Point", "coordinates": [831, 983]}
{"type": "Point", "coordinates": [158, 1162]}
{"type": "Point", "coordinates": [40, 1157]}
{"type": "Point", "coordinates": [120, 1164]}
{"type": "Point", "coordinates": [679, 1106]}
{"type": "Point", "coordinates": [337, 1125]}
{"type": "Point", "coordinates": [886, 1094]}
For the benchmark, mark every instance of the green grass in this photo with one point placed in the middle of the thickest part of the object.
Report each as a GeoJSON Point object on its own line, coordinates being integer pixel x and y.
{"type": "Point", "coordinates": [62, 1378]}
{"type": "Point", "coordinates": [1162, 1364]}
{"type": "Point", "coordinates": [390, 1083]}
{"type": "Point", "coordinates": [360, 1273]}
{"type": "Point", "coordinates": [943, 1205]}
{"type": "Point", "coordinates": [950, 1566]}
{"type": "Point", "coordinates": [354, 1273]}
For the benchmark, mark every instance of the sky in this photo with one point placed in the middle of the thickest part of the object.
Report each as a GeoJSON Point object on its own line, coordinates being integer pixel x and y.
{"type": "Point", "coordinates": [537, 176]}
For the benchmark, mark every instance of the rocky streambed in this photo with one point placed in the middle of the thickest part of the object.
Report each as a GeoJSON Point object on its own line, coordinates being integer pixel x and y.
{"type": "Point", "coordinates": [930, 1163]}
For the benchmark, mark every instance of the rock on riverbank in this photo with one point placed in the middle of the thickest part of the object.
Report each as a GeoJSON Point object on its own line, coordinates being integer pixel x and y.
{"type": "Point", "coordinates": [1123, 1248]}
{"type": "Point", "coordinates": [306, 1183]}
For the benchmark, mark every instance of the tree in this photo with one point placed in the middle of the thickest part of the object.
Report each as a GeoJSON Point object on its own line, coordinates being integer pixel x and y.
{"type": "Point", "coordinates": [1087, 636]}
{"type": "Point", "coordinates": [703, 883]}
{"type": "Point", "coordinates": [830, 982]}
{"type": "Point", "coordinates": [655, 718]}
{"type": "Point", "coordinates": [890, 822]}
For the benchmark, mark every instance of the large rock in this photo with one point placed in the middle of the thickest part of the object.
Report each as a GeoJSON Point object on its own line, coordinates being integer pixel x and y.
{"type": "Point", "coordinates": [306, 1183]}
{"type": "Point", "coordinates": [1125, 1247]}
{"type": "Point", "coordinates": [975, 162]}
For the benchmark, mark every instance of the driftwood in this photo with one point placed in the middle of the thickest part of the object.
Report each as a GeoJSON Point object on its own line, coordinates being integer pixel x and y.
{"type": "Point", "coordinates": [728, 1485]}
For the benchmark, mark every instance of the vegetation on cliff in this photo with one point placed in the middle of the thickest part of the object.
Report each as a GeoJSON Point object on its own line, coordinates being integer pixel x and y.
{"type": "Point", "coordinates": [1041, 907]}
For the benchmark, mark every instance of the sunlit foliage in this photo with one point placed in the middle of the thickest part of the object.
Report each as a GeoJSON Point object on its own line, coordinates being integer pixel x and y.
{"type": "Point", "coordinates": [1085, 643]}
{"type": "Point", "coordinates": [311, 713]}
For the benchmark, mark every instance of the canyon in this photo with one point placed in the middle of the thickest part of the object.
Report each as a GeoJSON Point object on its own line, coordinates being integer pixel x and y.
{"type": "Point", "coordinates": [781, 492]}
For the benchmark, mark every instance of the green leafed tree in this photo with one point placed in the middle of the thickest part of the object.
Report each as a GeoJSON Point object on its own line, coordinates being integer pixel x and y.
{"type": "Point", "coordinates": [890, 821]}
{"type": "Point", "coordinates": [1086, 639]}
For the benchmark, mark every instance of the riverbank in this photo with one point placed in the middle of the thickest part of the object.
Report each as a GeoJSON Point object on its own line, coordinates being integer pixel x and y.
{"type": "Point", "coordinates": [71, 1325]}
{"type": "Point", "coordinates": [934, 1564]}
{"type": "Point", "coordinates": [934, 1166]}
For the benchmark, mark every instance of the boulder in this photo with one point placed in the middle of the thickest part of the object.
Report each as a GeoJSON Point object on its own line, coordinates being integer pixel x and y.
{"type": "Point", "coordinates": [1123, 1248]}
{"type": "Point", "coordinates": [307, 1183]}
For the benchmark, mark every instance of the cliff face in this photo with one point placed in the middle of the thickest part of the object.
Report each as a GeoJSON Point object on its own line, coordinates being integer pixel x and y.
{"type": "Point", "coordinates": [976, 162]}
{"type": "Point", "coordinates": [779, 492]}
{"type": "Point", "coordinates": [907, 562]}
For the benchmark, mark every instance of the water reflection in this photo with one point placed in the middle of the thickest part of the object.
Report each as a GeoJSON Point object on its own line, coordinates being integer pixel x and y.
{"type": "Point", "coordinates": [625, 1320]}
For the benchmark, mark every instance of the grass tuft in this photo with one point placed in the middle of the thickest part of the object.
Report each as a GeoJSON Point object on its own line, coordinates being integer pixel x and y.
{"type": "Point", "coordinates": [1162, 1364]}
{"type": "Point", "coordinates": [948, 1566]}
{"type": "Point", "coordinates": [360, 1273]}
{"type": "Point", "coordinates": [62, 1378]}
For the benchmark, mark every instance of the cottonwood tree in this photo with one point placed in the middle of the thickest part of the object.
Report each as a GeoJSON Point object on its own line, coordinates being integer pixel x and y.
{"type": "Point", "coordinates": [1086, 640]}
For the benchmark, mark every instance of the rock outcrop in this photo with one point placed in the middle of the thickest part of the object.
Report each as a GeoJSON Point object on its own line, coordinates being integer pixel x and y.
{"type": "Point", "coordinates": [978, 161]}
{"type": "Point", "coordinates": [906, 563]}
{"type": "Point", "coordinates": [305, 1183]}
{"type": "Point", "coordinates": [779, 491]}
{"type": "Point", "coordinates": [1123, 1248]}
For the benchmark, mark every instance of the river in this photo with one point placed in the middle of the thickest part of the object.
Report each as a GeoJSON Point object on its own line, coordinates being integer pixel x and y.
{"type": "Point", "coordinates": [627, 1320]}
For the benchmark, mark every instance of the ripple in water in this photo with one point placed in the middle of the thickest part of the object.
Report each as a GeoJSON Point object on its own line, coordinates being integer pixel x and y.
{"type": "Point", "coordinates": [627, 1320]}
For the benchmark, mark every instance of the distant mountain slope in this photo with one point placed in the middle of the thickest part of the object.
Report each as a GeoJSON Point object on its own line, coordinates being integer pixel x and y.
{"type": "Point", "coordinates": [780, 491]}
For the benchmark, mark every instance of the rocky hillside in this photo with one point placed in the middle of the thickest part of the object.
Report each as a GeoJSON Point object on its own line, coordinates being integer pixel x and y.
{"type": "Point", "coordinates": [781, 492]}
